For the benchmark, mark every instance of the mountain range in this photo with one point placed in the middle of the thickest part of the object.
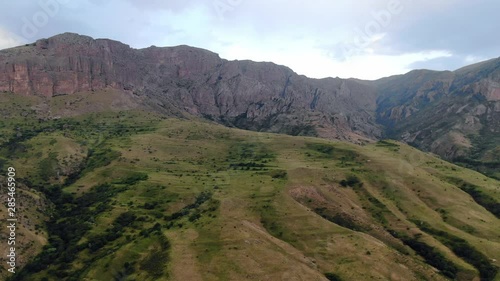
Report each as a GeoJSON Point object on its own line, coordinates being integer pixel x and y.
{"type": "Point", "coordinates": [454, 114]}
{"type": "Point", "coordinates": [174, 164]}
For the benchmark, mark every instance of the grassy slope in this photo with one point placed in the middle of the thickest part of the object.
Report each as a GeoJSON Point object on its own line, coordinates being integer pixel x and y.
{"type": "Point", "coordinates": [258, 221]}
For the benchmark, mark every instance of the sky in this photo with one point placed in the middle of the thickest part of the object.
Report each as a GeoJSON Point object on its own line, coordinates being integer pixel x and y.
{"type": "Point", "coordinates": [366, 39]}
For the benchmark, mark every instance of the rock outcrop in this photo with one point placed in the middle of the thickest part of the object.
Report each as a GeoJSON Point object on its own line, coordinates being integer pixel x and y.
{"type": "Point", "coordinates": [454, 114]}
{"type": "Point", "coordinates": [245, 94]}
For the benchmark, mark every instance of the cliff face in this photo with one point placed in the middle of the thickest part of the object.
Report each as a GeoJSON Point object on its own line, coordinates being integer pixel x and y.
{"type": "Point", "coordinates": [250, 95]}
{"type": "Point", "coordinates": [64, 65]}
{"type": "Point", "coordinates": [454, 114]}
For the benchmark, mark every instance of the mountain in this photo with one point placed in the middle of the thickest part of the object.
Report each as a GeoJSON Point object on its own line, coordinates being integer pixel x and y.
{"type": "Point", "coordinates": [132, 165]}
{"type": "Point", "coordinates": [452, 114]}
{"type": "Point", "coordinates": [245, 94]}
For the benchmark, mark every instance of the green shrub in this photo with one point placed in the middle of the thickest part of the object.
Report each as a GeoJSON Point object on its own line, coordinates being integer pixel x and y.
{"type": "Point", "coordinates": [279, 174]}
{"type": "Point", "coordinates": [352, 181]}
{"type": "Point", "coordinates": [100, 157]}
{"type": "Point", "coordinates": [332, 276]}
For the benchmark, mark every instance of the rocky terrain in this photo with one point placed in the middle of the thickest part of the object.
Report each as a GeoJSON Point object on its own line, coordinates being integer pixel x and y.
{"type": "Point", "coordinates": [124, 171]}
{"type": "Point", "coordinates": [245, 94]}
{"type": "Point", "coordinates": [453, 114]}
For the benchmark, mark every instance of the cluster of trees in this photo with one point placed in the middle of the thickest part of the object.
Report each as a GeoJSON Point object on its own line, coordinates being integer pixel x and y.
{"type": "Point", "coordinates": [116, 231]}
{"type": "Point", "coordinates": [200, 199]}
{"type": "Point", "coordinates": [352, 181]}
{"type": "Point", "coordinates": [70, 222]}
{"type": "Point", "coordinates": [430, 254]}
{"type": "Point", "coordinates": [247, 166]}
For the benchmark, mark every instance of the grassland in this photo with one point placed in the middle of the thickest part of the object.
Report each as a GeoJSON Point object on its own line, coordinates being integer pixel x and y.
{"type": "Point", "coordinates": [131, 195]}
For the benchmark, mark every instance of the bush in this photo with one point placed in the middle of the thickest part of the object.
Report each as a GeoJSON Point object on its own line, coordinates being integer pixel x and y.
{"type": "Point", "coordinates": [352, 181]}
{"type": "Point", "coordinates": [431, 255]}
{"type": "Point", "coordinates": [279, 174]}
{"type": "Point", "coordinates": [332, 276]}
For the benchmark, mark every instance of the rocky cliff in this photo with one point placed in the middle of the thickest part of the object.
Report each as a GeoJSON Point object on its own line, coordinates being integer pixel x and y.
{"type": "Point", "coordinates": [453, 114]}
{"type": "Point", "coordinates": [245, 94]}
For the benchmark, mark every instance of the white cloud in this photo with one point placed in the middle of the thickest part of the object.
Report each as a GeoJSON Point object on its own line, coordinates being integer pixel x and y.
{"type": "Point", "coordinates": [470, 59]}
{"type": "Point", "coordinates": [313, 62]}
{"type": "Point", "coordinates": [317, 38]}
{"type": "Point", "coordinates": [8, 40]}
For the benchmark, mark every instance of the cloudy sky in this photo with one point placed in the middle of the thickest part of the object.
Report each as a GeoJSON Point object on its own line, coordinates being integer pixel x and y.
{"type": "Point", "coordinates": [365, 39]}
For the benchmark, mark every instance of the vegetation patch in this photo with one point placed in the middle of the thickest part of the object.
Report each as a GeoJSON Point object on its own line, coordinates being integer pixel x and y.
{"type": "Point", "coordinates": [481, 198]}
{"type": "Point", "coordinates": [376, 208]}
{"type": "Point", "coordinates": [332, 276]}
{"type": "Point", "coordinates": [200, 199]}
{"type": "Point", "coordinates": [47, 168]}
{"type": "Point", "coordinates": [352, 181]}
{"type": "Point", "coordinates": [250, 152]}
{"type": "Point", "coordinates": [344, 156]}
{"type": "Point", "coordinates": [389, 145]}
{"type": "Point", "coordinates": [341, 219]}
{"type": "Point", "coordinates": [71, 221]}
{"type": "Point", "coordinates": [132, 178]}
{"type": "Point", "coordinates": [111, 234]}
{"type": "Point", "coordinates": [269, 218]}
{"type": "Point", "coordinates": [99, 157]}
{"type": "Point", "coordinates": [155, 262]}
{"type": "Point", "coordinates": [432, 256]}
{"type": "Point", "coordinates": [248, 166]}
{"type": "Point", "coordinates": [463, 249]}
{"type": "Point", "coordinates": [278, 174]}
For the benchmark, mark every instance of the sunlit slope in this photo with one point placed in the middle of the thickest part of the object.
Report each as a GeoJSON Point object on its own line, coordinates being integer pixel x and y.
{"type": "Point", "coordinates": [149, 198]}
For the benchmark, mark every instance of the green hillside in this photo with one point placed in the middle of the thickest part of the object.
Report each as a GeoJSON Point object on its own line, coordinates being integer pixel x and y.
{"type": "Point", "coordinates": [125, 194]}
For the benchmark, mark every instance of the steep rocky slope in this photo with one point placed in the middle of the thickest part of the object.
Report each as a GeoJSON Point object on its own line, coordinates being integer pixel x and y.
{"type": "Point", "coordinates": [250, 95]}
{"type": "Point", "coordinates": [453, 114]}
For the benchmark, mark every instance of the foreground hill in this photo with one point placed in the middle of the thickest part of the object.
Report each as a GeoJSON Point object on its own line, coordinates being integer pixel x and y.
{"type": "Point", "coordinates": [115, 192]}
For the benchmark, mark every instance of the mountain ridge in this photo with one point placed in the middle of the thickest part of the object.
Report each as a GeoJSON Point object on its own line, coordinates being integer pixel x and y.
{"type": "Point", "coordinates": [264, 96]}
{"type": "Point", "coordinates": [244, 94]}
{"type": "Point", "coordinates": [134, 170]}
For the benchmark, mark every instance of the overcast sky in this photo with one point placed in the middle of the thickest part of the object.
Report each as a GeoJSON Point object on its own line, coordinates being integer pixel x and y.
{"type": "Point", "coordinates": [365, 39]}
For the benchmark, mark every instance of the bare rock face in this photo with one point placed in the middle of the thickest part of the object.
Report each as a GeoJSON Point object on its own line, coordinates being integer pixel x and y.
{"type": "Point", "coordinates": [453, 114]}
{"type": "Point", "coordinates": [245, 94]}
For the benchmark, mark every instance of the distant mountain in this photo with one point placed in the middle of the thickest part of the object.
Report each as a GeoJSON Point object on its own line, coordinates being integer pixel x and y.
{"type": "Point", "coordinates": [453, 114]}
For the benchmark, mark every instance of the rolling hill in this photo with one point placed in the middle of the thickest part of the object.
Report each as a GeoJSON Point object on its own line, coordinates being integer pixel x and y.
{"type": "Point", "coordinates": [122, 193]}
{"type": "Point", "coordinates": [175, 164]}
